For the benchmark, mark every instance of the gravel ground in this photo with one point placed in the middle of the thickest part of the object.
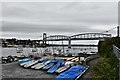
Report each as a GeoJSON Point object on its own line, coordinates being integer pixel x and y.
{"type": "Point", "coordinates": [89, 73]}
{"type": "Point", "coordinates": [14, 71]}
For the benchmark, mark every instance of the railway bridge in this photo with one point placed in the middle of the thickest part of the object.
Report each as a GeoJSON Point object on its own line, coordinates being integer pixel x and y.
{"type": "Point", "coordinates": [83, 36]}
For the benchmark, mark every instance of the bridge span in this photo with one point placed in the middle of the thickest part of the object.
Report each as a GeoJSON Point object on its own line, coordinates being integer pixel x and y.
{"type": "Point", "coordinates": [83, 36]}
{"type": "Point", "coordinates": [75, 45]}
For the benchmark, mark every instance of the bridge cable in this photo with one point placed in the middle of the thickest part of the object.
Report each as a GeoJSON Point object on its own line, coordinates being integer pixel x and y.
{"type": "Point", "coordinates": [108, 30]}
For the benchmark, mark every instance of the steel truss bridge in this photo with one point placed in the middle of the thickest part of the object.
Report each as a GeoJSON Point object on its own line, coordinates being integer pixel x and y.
{"type": "Point", "coordinates": [84, 36]}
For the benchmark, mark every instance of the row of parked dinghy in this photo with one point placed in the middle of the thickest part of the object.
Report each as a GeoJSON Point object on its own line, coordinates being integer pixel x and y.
{"type": "Point", "coordinates": [65, 69]}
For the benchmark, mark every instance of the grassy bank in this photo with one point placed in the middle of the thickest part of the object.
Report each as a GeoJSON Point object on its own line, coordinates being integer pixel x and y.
{"type": "Point", "coordinates": [108, 66]}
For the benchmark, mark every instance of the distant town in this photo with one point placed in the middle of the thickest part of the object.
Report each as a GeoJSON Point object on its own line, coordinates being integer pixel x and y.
{"type": "Point", "coordinates": [15, 42]}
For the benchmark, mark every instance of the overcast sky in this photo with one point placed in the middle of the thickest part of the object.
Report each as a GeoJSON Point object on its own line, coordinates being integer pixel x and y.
{"type": "Point", "coordinates": [31, 19]}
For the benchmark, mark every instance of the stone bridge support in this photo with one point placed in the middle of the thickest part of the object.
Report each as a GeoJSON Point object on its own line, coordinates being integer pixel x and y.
{"type": "Point", "coordinates": [44, 39]}
{"type": "Point", "coordinates": [69, 42]}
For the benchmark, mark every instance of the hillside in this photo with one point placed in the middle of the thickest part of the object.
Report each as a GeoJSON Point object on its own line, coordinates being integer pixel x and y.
{"type": "Point", "coordinates": [108, 66]}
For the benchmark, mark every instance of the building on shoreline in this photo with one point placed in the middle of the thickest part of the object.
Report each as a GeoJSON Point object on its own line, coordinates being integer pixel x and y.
{"type": "Point", "coordinates": [15, 42]}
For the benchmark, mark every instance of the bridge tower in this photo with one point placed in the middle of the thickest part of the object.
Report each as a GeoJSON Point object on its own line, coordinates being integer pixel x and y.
{"type": "Point", "coordinates": [118, 31]}
{"type": "Point", "coordinates": [69, 42]}
{"type": "Point", "coordinates": [44, 39]}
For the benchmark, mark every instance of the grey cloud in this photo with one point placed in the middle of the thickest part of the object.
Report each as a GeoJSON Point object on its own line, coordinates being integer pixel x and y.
{"type": "Point", "coordinates": [27, 17]}
{"type": "Point", "coordinates": [31, 28]}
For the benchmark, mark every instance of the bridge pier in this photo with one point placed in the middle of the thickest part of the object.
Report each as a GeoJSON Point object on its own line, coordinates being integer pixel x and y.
{"type": "Point", "coordinates": [69, 42]}
{"type": "Point", "coordinates": [44, 39]}
{"type": "Point", "coordinates": [63, 47]}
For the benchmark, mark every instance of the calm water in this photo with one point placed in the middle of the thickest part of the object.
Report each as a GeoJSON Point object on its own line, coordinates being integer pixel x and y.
{"type": "Point", "coordinates": [40, 51]}
{"type": "Point", "coordinates": [12, 51]}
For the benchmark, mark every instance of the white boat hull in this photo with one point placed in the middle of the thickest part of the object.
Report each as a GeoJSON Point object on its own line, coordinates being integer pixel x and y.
{"type": "Point", "coordinates": [30, 63]}
{"type": "Point", "coordinates": [61, 69]}
{"type": "Point", "coordinates": [42, 64]}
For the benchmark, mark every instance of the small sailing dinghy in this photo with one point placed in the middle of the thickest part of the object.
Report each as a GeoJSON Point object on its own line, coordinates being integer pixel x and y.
{"type": "Point", "coordinates": [41, 65]}
{"type": "Point", "coordinates": [48, 66]}
{"type": "Point", "coordinates": [24, 61]}
{"type": "Point", "coordinates": [30, 63]}
{"type": "Point", "coordinates": [67, 65]}
{"type": "Point", "coordinates": [72, 73]}
{"type": "Point", "coordinates": [34, 50]}
{"type": "Point", "coordinates": [61, 69]}
{"type": "Point", "coordinates": [54, 61]}
{"type": "Point", "coordinates": [41, 61]}
{"type": "Point", "coordinates": [19, 49]}
{"type": "Point", "coordinates": [55, 67]}
{"type": "Point", "coordinates": [68, 62]}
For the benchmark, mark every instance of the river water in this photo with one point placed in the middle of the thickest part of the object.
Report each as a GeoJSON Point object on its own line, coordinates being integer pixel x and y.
{"type": "Point", "coordinates": [40, 51]}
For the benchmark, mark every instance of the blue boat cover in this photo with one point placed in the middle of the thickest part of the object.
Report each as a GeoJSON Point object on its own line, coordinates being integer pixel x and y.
{"type": "Point", "coordinates": [54, 68]}
{"type": "Point", "coordinates": [53, 61]}
{"type": "Point", "coordinates": [48, 66]}
{"type": "Point", "coordinates": [25, 60]}
{"type": "Point", "coordinates": [62, 63]}
{"type": "Point", "coordinates": [42, 59]}
{"type": "Point", "coordinates": [72, 73]}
